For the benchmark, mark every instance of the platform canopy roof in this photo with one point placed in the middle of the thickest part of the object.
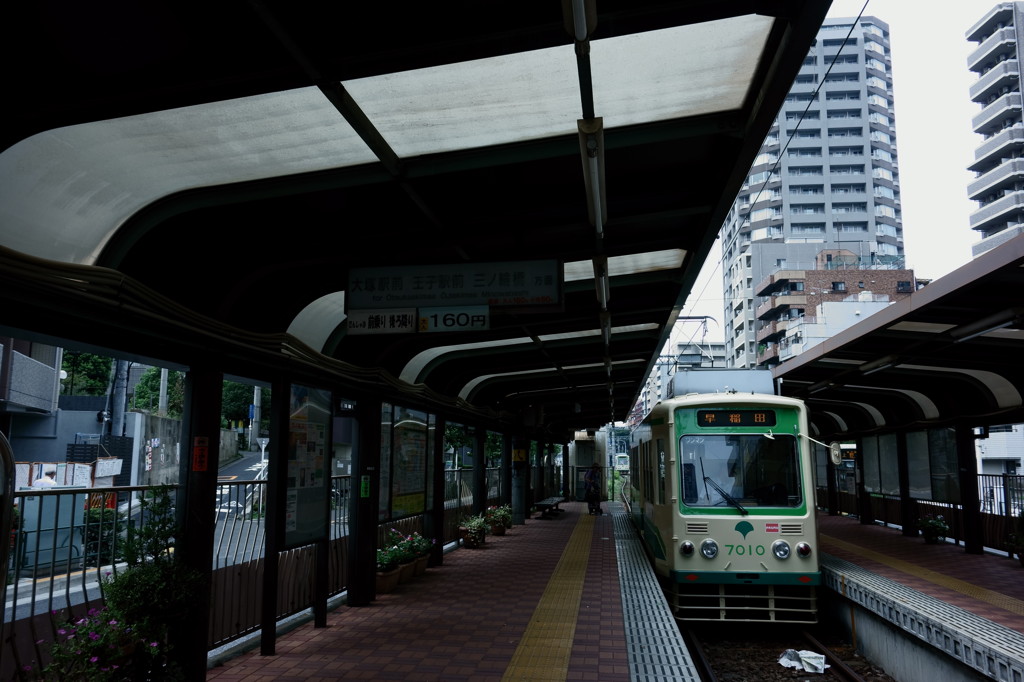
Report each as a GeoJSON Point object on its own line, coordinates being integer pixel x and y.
{"type": "Point", "coordinates": [213, 182]}
{"type": "Point", "coordinates": [949, 355]}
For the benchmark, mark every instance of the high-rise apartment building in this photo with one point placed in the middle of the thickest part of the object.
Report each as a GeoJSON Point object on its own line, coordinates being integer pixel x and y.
{"type": "Point", "coordinates": [999, 183]}
{"type": "Point", "coordinates": [823, 194]}
{"type": "Point", "coordinates": [999, 158]}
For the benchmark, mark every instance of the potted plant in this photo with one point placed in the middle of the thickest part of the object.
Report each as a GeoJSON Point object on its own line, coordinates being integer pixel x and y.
{"type": "Point", "coordinates": [933, 527]}
{"type": "Point", "coordinates": [405, 552]}
{"type": "Point", "coordinates": [499, 518]}
{"type": "Point", "coordinates": [473, 530]}
{"type": "Point", "coordinates": [422, 546]}
{"type": "Point", "coordinates": [387, 569]}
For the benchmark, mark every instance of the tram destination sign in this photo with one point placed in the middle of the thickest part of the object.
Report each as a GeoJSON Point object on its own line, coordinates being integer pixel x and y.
{"type": "Point", "coordinates": [502, 284]}
{"type": "Point", "coordinates": [742, 417]}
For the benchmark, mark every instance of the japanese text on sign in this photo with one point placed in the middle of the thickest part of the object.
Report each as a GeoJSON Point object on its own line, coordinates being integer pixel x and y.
{"type": "Point", "coordinates": [735, 418]}
{"type": "Point", "coordinates": [519, 283]}
{"type": "Point", "coordinates": [454, 319]}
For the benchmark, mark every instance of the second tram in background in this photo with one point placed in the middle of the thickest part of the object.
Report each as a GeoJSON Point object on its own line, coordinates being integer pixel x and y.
{"type": "Point", "coordinates": [722, 495]}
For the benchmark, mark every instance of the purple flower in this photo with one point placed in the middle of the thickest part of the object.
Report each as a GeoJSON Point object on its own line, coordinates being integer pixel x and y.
{"type": "Point", "coordinates": [94, 659]}
{"type": "Point", "coordinates": [93, 636]}
{"type": "Point", "coordinates": [154, 644]}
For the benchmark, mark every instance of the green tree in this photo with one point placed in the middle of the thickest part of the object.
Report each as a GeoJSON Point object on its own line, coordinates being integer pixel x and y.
{"type": "Point", "coordinates": [456, 436]}
{"type": "Point", "coordinates": [87, 374]}
{"type": "Point", "coordinates": [147, 392]}
{"type": "Point", "coordinates": [236, 399]}
{"type": "Point", "coordinates": [492, 448]}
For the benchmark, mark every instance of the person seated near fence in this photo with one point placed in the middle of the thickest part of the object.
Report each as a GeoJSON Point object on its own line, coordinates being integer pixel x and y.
{"type": "Point", "coordinates": [47, 480]}
{"type": "Point", "coordinates": [592, 489]}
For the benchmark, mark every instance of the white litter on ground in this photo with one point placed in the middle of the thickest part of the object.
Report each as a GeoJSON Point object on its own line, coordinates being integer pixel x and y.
{"type": "Point", "coordinates": [807, 660]}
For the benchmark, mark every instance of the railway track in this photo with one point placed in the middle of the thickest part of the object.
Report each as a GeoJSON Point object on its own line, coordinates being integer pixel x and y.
{"type": "Point", "coordinates": [750, 652]}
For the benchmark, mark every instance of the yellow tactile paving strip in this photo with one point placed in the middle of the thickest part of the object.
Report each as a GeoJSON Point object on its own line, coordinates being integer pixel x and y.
{"type": "Point", "coordinates": [980, 593]}
{"type": "Point", "coordinates": [544, 650]}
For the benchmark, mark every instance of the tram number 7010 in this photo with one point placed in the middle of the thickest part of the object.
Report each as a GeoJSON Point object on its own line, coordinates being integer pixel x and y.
{"type": "Point", "coordinates": [744, 550]}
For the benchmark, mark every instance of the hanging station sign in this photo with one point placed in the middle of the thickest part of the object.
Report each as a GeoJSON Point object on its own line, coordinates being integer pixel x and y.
{"type": "Point", "coordinates": [446, 298]}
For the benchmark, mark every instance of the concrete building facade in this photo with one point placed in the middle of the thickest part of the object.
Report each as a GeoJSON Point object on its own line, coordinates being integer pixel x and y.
{"type": "Point", "coordinates": [799, 309]}
{"type": "Point", "coordinates": [998, 164]}
{"type": "Point", "coordinates": [824, 191]}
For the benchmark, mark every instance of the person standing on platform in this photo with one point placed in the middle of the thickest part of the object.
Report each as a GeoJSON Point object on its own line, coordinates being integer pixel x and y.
{"type": "Point", "coordinates": [592, 489]}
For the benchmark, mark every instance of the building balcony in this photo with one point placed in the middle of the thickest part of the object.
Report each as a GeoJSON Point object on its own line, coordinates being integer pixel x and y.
{"type": "Point", "coordinates": [775, 304]}
{"type": "Point", "coordinates": [850, 216]}
{"type": "Point", "coordinates": [27, 384]}
{"type": "Point", "coordinates": [768, 354]}
{"type": "Point", "coordinates": [1003, 175]}
{"type": "Point", "coordinates": [991, 118]}
{"type": "Point", "coordinates": [999, 212]}
{"type": "Point", "coordinates": [767, 330]}
{"type": "Point", "coordinates": [1000, 40]}
{"type": "Point", "coordinates": [771, 332]}
{"type": "Point", "coordinates": [998, 146]}
{"type": "Point", "coordinates": [792, 350]}
{"type": "Point", "coordinates": [996, 239]}
{"type": "Point", "coordinates": [1003, 74]}
{"type": "Point", "coordinates": [1000, 14]}
{"type": "Point", "coordinates": [776, 279]}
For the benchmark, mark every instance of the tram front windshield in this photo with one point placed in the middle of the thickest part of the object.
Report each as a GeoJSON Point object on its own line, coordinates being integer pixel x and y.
{"type": "Point", "coordinates": [740, 471]}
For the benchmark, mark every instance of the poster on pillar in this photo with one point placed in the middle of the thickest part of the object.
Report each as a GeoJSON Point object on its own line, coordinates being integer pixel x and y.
{"type": "Point", "coordinates": [307, 483]}
{"type": "Point", "coordinates": [409, 478]}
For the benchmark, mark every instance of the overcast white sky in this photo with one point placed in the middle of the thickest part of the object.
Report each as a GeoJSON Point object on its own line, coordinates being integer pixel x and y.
{"type": "Point", "coordinates": [933, 136]}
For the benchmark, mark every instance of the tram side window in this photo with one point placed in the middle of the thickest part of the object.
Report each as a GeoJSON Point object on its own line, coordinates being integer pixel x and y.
{"type": "Point", "coordinates": [634, 471]}
{"type": "Point", "coordinates": [649, 473]}
{"type": "Point", "coordinates": [660, 445]}
{"type": "Point", "coordinates": [691, 453]}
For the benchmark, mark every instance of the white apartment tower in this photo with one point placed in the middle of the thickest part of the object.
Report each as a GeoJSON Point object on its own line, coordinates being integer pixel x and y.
{"type": "Point", "coordinates": [998, 186]}
{"type": "Point", "coordinates": [824, 191]}
{"type": "Point", "coordinates": [998, 164]}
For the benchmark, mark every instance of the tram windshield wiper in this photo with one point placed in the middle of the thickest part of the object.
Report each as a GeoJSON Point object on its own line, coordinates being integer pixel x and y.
{"type": "Point", "coordinates": [728, 498]}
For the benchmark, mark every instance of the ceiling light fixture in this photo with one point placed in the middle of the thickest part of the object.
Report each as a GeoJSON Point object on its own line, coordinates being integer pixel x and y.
{"type": "Point", "coordinates": [1003, 318]}
{"type": "Point", "coordinates": [601, 282]}
{"type": "Point", "coordinates": [591, 136]}
{"type": "Point", "coordinates": [820, 386]}
{"type": "Point", "coordinates": [878, 365]}
{"type": "Point", "coordinates": [580, 17]}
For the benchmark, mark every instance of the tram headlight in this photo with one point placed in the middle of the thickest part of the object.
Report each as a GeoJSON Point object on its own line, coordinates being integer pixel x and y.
{"type": "Point", "coordinates": [709, 548]}
{"type": "Point", "coordinates": [803, 550]}
{"type": "Point", "coordinates": [781, 550]}
{"type": "Point", "coordinates": [687, 548]}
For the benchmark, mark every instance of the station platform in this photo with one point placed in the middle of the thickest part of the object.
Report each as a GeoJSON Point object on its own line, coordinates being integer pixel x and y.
{"type": "Point", "coordinates": [573, 598]}
{"type": "Point", "coordinates": [969, 607]}
{"type": "Point", "coordinates": [543, 602]}
{"type": "Point", "coordinates": [990, 586]}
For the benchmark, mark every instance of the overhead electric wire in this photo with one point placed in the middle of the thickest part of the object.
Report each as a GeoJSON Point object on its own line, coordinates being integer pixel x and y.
{"type": "Point", "coordinates": [782, 150]}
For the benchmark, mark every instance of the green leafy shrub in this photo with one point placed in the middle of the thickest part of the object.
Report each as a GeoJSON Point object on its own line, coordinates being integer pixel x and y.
{"type": "Point", "coordinates": [149, 604]}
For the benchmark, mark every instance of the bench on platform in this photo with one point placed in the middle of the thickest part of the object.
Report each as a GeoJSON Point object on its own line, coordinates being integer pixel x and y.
{"type": "Point", "coordinates": [548, 506]}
